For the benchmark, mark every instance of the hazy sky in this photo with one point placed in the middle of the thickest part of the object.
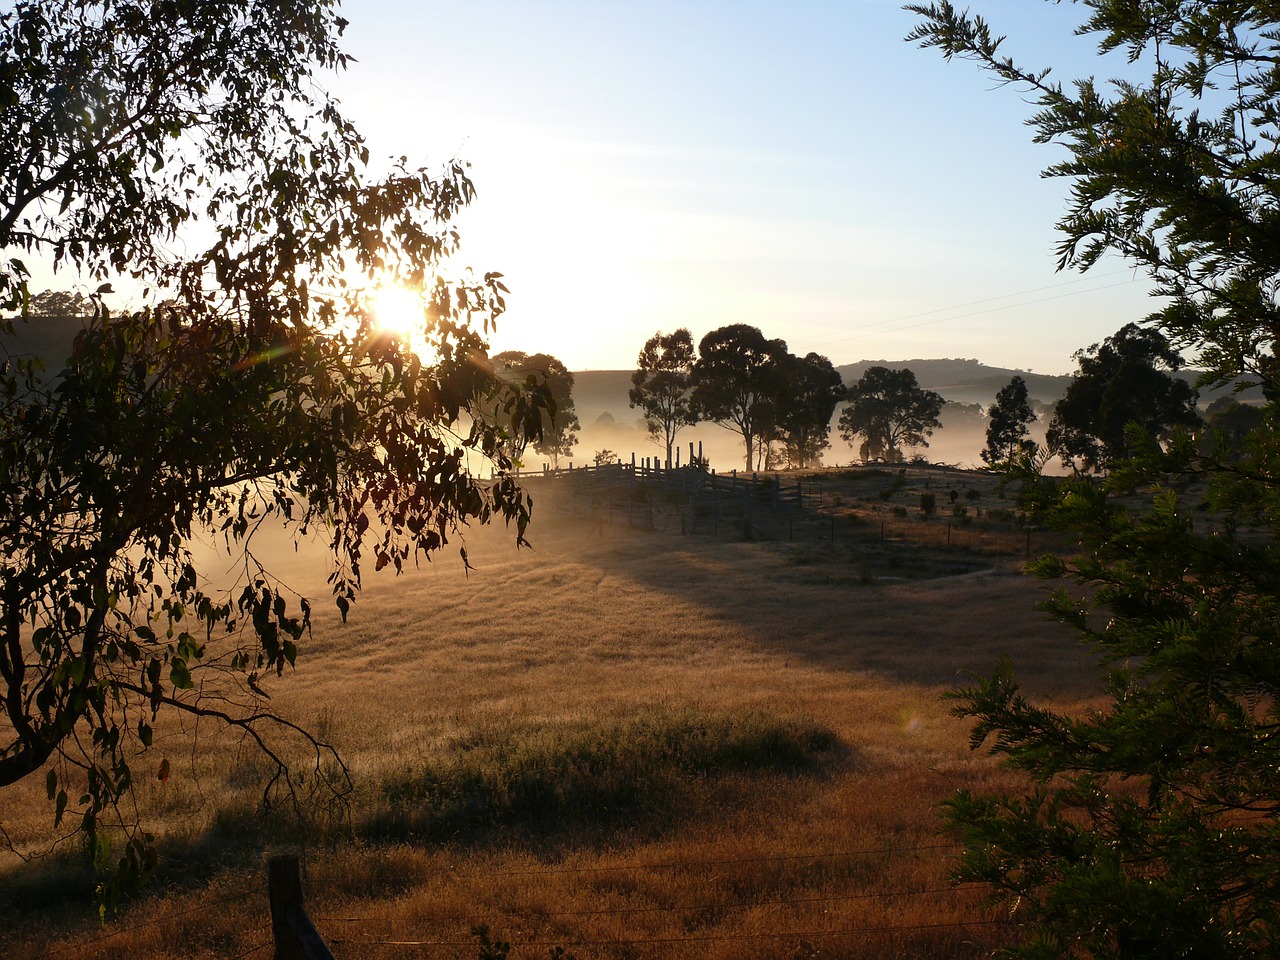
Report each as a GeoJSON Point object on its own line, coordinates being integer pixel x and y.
{"type": "Point", "coordinates": [796, 166]}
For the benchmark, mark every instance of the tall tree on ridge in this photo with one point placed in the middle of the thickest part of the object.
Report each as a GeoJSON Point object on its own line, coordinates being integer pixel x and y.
{"type": "Point", "coordinates": [735, 382]}
{"type": "Point", "coordinates": [661, 386]}
{"type": "Point", "coordinates": [1007, 425]}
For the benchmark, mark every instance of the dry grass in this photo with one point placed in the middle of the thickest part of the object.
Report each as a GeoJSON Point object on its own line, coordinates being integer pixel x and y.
{"type": "Point", "coordinates": [606, 649]}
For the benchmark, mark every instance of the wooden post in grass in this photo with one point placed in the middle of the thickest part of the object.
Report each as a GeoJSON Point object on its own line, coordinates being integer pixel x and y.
{"type": "Point", "coordinates": [295, 937]}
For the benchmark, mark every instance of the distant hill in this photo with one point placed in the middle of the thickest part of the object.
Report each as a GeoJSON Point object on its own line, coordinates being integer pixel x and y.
{"type": "Point", "coordinates": [965, 381]}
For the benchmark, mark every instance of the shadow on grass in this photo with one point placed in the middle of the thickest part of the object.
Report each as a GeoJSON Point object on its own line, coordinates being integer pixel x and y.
{"type": "Point", "coordinates": [638, 775]}
{"type": "Point", "coordinates": [546, 788]}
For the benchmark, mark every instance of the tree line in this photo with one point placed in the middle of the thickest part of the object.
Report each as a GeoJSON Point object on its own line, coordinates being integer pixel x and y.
{"type": "Point", "coordinates": [781, 405]}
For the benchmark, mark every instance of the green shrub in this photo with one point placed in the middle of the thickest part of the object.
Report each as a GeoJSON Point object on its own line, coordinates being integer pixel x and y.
{"type": "Point", "coordinates": [928, 504]}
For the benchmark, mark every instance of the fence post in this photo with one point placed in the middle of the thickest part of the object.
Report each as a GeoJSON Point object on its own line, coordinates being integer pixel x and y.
{"type": "Point", "coordinates": [295, 937]}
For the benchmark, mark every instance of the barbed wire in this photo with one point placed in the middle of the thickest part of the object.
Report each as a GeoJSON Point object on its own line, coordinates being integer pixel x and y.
{"type": "Point", "coordinates": [715, 938]}
{"type": "Point", "coordinates": [248, 891]}
{"type": "Point", "coordinates": [628, 911]}
{"type": "Point", "coordinates": [681, 864]}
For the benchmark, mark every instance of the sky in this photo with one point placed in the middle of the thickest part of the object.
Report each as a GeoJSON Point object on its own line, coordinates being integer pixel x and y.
{"type": "Point", "coordinates": [795, 166]}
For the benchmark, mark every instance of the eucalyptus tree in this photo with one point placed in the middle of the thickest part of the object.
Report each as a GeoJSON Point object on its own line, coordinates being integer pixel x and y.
{"type": "Point", "coordinates": [187, 149]}
{"type": "Point", "coordinates": [662, 383]}
{"type": "Point", "coordinates": [808, 392]}
{"type": "Point", "coordinates": [736, 382]}
{"type": "Point", "coordinates": [558, 431]}
{"type": "Point", "coordinates": [889, 410]}
{"type": "Point", "coordinates": [1126, 382]}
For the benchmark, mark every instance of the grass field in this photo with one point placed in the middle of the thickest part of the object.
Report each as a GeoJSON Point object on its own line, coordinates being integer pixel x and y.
{"type": "Point", "coordinates": [623, 742]}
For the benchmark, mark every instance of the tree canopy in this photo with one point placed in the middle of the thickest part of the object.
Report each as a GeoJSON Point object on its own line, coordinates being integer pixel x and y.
{"type": "Point", "coordinates": [661, 385]}
{"type": "Point", "coordinates": [1007, 425]}
{"type": "Point", "coordinates": [1150, 825]}
{"type": "Point", "coordinates": [187, 148]}
{"type": "Point", "coordinates": [540, 374]}
{"type": "Point", "coordinates": [809, 390]}
{"type": "Point", "coordinates": [735, 382]}
{"type": "Point", "coordinates": [888, 409]}
{"type": "Point", "coordinates": [1121, 383]}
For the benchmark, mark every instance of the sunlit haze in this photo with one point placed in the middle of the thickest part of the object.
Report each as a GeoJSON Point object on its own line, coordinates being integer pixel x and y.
{"type": "Point", "coordinates": [793, 166]}
{"type": "Point", "coordinates": [398, 311]}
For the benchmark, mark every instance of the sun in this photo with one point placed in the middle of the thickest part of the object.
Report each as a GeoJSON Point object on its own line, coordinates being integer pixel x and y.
{"type": "Point", "coordinates": [399, 312]}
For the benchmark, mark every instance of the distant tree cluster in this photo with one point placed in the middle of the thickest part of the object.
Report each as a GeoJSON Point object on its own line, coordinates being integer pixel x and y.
{"type": "Point", "coordinates": [780, 404]}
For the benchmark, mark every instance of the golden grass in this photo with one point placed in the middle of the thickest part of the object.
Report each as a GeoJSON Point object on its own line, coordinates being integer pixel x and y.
{"type": "Point", "coordinates": [592, 626]}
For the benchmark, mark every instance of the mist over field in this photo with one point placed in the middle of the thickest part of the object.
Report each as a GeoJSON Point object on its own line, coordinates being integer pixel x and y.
{"type": "Point", "coordinates": [609, 423]}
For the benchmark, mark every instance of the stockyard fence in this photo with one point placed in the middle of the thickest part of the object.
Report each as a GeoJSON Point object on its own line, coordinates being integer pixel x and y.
{"type": "Point", "coordinates": [648, 494]}
{"type": "Point", "coordinates": [289, 932]}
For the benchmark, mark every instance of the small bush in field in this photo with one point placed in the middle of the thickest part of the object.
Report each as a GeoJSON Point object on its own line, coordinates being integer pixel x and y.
{"type": "Point", "coordinates": [618, 770]}
{"type": "Point", "coordinates": [928, 504]}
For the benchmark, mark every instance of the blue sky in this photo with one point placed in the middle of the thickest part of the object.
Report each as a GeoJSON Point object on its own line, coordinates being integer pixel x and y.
{"type": "Point", "coordinates": [644, 166]}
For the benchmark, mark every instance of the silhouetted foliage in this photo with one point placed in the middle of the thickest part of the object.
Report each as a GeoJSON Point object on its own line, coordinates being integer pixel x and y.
{"type": "Point", "coordinates": [187, 146]}
{"type": "Point", "coordinates": [1228, 426]}
{"type": "Point", "coordinates": [808, 392]}
{"type": "Point", "coordinates": [1124, 380]}
{"type": "Point", "coordinates": [1007, 427]}
{"type": "Point", "coordinates": [542, 374]}
{"type": "Point", "coordinates": [889, 410]}
{"type": "Point", "coordinates": [736, 381]}
{"type": "Point", "coordinates": [661, 386]}
{"type": "Point", "coordinates": [1150, 826]}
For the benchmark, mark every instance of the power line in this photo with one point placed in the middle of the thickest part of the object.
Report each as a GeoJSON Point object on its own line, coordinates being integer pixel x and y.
{"type": "Point", "coordinates": [853, 331]}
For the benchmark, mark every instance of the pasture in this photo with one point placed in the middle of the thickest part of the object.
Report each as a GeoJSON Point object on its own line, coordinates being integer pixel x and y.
{"type": "Point", "coordinates": [626, 742]}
